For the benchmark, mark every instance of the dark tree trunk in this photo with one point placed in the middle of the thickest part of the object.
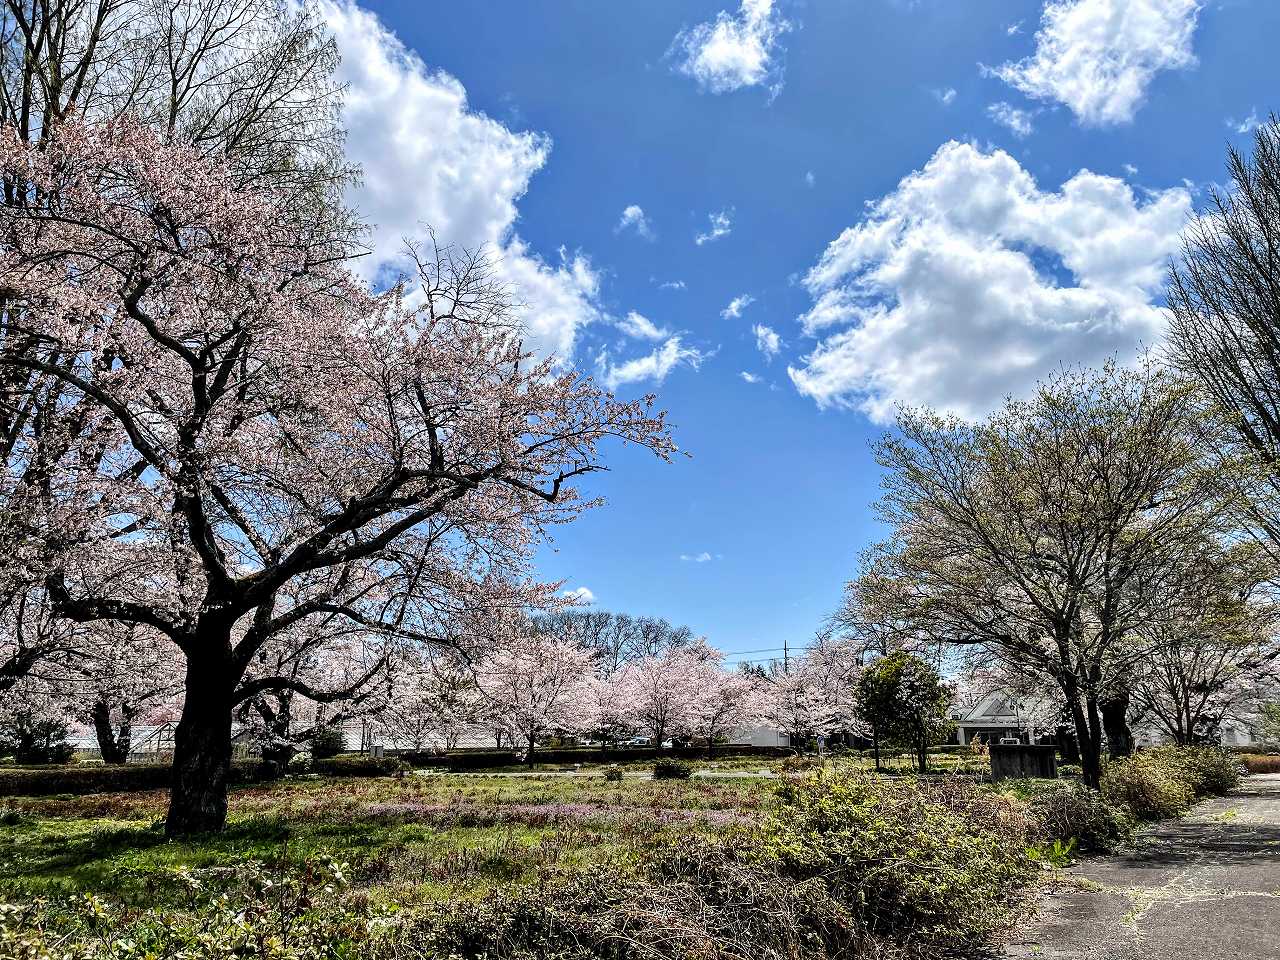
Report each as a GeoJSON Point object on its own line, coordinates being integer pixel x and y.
{"type": "Point", "coordinates": [875, 745]}
{"type": "Point", "coordinates": [922, 756]}
{"type": "Point", "coordinates": [202, 749]}
{"type": "Point", "coordinates": [1088, 741]}
{"type": "Point", "coordinates": [113, 747]}
{"type": "Point", "coordinates": [532, 741]}
{"type": "Point", "coordinates": [1115, 722]}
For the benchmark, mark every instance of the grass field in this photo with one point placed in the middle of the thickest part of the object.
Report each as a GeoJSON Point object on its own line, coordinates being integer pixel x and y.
{"type": "Point", "coordinates": [411, 839]}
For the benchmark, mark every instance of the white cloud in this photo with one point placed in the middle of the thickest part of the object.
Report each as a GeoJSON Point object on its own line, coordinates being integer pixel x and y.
{"type": "Point", "coordinates": [1099, 56]}
{"type": "Point", "coordinates": [633, 218]}
{"type": "Point", "coordinates": [1130, 169]}
{"type": "Point", "coordinates": [429, 159]}
{"type": "Point", "coordinates": [968, 282]}
{"type": "Point", "coordinates": [1013, 29]}
{"type": "Point", "coordinates": [1248, 124]}
{"type": "Point", "coordinates": [945, 97]}
{"type": "Point", "coordinates": [652, 366]}
{"type": "Point", "coordinates": [736, 306]}
{"type": "Point", "coordinates": [721, 225]}
{"type": "Point", "coordinates": [672, 285]}
{"type": "Point", "coordinates": [749, 377]}
{"type": "Point", "coordinates": [809, 178]}
{"type": "Point", "coordinates": [767, 341]}
{"type": "Point", "coordinates": [702, 557]}
{"type": "Point", "coordinates": [641, 327]}
{"type": "Point", "coordinates": [735, 50]}
{"type": "Point", "coordinates": [580, 595]}
{"type": "Point", "coordinates": [1018, 121]}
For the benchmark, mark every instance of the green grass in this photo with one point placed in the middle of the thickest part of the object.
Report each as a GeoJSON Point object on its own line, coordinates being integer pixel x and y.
{"type": "Point", "coordinates": [408, 840]}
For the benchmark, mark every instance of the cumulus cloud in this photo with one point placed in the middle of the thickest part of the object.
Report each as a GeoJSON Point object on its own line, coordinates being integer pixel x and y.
{"type": "Point", "coordinates": [736, 306]}
{"type": "Point", "coordinates": [719, 225]}
{"type": "Point", "coordinates": [1099, 56]}
{"type": "Point", "coordinates": [969, 282]}
{"type": "Point", "coordinates": [641, 327]}
{"type": "Point", "coordinates": [702, 557]}
{"type": "Point", "coordinates": [580, 595]}
{"type": "Point", "coordinates": [735, 50]}
{"type": "Point", "coordinates": [767, 340]}
{"type": "Point", "coordinates": [945, 97]}
{"type": "Point", "coordinates": [633, 218]}
{"type": "Point", "coordinates": [672, 285]}
{"type": "Point", "coordinates": [749, 377]}
{"type": "Point", "coordinates": [652, 367]}
{"type": "Point", "coordinates": [1018, 121]}
{"type": "Point", "coordinates": [429, 159]}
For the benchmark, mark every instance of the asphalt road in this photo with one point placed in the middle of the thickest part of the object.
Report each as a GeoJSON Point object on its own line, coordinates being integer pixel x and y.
{"type": "Point", "coordinates": [1206, 887]}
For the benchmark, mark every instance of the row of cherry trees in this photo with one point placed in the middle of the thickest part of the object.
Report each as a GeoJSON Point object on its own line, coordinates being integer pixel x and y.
{"type": "Point", "coordinates": [547, 683]}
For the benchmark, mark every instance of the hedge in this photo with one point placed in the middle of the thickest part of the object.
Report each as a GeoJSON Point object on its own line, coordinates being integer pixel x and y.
{"type": "Point", "coordinates": [135, 777]}
{"type": "Point", "coordinates": [488, 759]}
{"type": "Point", "coordinates": [44, 781]}
{"type": "Point", "coordinates": [359, 765]}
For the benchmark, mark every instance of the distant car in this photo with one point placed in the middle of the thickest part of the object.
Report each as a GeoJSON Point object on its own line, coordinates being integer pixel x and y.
{"type": "Point", "coordinates": [638, 742]}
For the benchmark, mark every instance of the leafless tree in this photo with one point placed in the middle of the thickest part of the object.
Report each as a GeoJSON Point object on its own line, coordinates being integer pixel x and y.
{"type": "Point", "coordinates": [1224, 324]}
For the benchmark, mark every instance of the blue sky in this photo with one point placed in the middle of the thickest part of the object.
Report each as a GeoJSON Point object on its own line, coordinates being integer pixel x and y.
{"type": "Point", "coordinates": [532, 128]}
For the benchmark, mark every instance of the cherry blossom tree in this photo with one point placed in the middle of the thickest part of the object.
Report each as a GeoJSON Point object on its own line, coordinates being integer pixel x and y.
{"type": "Point", "coordinates": [663, 691]}
{"type": "Point", "coordinates": [249, 83]}
{"type": "Point", "coordinates": [262, 450]}
{"type": "Point", "coordinates": [539, 685]}
{"type": "Point", "coordinates": [724, 701]}
{"type": "Point", "coordinates": [123, 675]}
{"type": "Point", "coordinates": [797, 698]}
{"type": "Point", "coordinates": [433, 701]}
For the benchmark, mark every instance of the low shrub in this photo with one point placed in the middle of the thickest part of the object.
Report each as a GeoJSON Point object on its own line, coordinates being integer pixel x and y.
{"type": "Point", "coordinates": [1148, 786]}
{"type": "Point", "coordinates": [1066, 811]}
{"type": "Point", "coordinates": [924, 861]}
{"type": "Point", "coordinates": [613, 775]}
{"type": "Point", "coordinates": [1209, 771]}
{"type": "Point", "coordinates": [481, 759]}
{"type": "Point", "coordinates": [672, 770]}
{"type": "Point", "coordinates": [1261, 762]}
{"type": "Point", "coordinates": [327, 742]}
{"type": "Point", "coordinates": [358, 766]}
{"type": "Point", "coordinates": [256, 912]}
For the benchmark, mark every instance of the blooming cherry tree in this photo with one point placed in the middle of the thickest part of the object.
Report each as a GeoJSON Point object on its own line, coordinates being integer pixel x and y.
{"type": "Point", "coordinates": [724, 701]}
{"type": "Point", "coordinates": [259, 450]}
{"type": "Point", "coordinates": [663, 691]}
{"type": "Point", "coordinates": [538, 685]}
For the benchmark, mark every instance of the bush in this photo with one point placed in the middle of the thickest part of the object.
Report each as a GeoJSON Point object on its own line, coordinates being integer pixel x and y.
{"type": "Point", "coordinates": [1261, 762]}
{"type": "Point", "coordinates": [672, 770]}
{"type": "Point", "coordinates": [327, 742]}
{"type": "Point", "coordinates": [1210, 771]}
{"type": "Point", "coordinates": [300, 763]}
{"type": "Point", "coordinates": [613, 775]}
{"type": "Point", "coordinates": [1071, 811]}
{"type": "Point", "coordinates": [924, 861]}
{"type": "Point", "coordinates": [1147, 786]}
{"type": "Point", "coordinates": [481, 759]}
{"type": "Point", "coordinates": [259, 912]}
{"type": "Point", "coordinates": [358, 766]}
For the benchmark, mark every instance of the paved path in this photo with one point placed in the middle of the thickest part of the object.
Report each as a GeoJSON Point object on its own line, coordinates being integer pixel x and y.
{"type": "Point", "coordinates": [1203, 888]}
